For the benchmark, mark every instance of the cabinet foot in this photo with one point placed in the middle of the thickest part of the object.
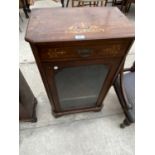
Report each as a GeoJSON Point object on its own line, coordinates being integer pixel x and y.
{"type": "Point", "coordinates": [124, 124]}
{"type": "Point", "coordinates": [98, 108]}
{"type": "Point", "coordinates": [56, 115]}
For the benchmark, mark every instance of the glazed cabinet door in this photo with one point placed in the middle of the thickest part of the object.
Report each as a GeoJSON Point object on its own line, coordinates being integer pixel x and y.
{"type": "Point", "coordinates": [78, 85]}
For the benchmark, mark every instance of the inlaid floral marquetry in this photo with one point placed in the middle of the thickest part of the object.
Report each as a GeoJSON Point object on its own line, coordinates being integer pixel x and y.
{"type": "Point", "coordinates": [84, 28]}
{"type": "Point", "coordinates": [111, 50]}
{"type": "Point", "coordinates": [54, 53]}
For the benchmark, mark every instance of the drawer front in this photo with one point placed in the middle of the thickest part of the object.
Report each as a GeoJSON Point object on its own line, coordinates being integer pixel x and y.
{"type": "Point", "coordinates": [83, 52]}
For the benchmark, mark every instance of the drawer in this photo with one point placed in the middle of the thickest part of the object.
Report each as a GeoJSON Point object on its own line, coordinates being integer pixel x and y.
{"type": "Point", "coordinates": [82, 52]}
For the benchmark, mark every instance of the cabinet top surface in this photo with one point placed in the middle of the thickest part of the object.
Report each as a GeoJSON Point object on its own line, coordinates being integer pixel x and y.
{"type": "Point", "coordinates": [74, 24]}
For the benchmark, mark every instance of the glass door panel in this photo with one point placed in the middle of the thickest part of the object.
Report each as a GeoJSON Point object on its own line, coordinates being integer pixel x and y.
{"type": "Point", "coordinates": [79, 87]}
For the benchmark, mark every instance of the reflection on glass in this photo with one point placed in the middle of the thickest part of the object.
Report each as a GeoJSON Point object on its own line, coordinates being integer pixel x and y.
{"type": "Point", "coordinates": [79, 87]}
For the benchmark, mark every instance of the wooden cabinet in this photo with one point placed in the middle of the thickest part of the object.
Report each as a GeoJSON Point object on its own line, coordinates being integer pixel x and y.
{"type": "Point", "coordinates": [79, 52]}
{"type": "Point", "coordinates": [27, 101]}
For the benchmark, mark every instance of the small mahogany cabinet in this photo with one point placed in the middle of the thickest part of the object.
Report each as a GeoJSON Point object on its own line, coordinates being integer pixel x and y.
{"type": "Point", "coordinates": [79, 52]}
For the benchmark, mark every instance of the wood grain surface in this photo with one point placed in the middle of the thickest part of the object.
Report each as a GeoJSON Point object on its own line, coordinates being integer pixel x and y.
{"type": "Point", "coordinates": [68, 24]}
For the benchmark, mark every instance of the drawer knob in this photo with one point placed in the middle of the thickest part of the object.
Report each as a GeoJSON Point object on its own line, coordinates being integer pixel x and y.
{"type": "Point", "coordinates": [56, 67]}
